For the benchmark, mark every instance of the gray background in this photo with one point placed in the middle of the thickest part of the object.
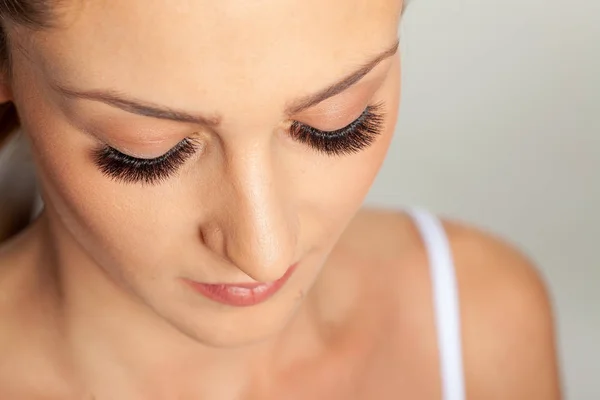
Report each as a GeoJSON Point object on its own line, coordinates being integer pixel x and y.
{"type": "Point", "coordinates": [500, 126]}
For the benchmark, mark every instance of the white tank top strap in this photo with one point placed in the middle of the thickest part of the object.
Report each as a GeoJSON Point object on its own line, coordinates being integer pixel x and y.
{"type": "Point", "coordinates": [446, 302]}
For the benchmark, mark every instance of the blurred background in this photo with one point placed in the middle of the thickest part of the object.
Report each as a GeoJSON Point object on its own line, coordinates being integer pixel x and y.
{"type": "Point", "coordinates": [500, 126]}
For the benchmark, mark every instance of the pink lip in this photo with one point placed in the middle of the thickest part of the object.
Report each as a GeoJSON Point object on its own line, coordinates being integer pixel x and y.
{"type": "Point", "coordinates": [241, 294]}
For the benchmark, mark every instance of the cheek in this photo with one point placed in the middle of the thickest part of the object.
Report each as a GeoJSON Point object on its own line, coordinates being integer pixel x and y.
{"type": "Point", "coordinates": [107, 219]}
{"type": "Point", "coordinates": [339, 185]}
{"type": "Point", "coordinates": [343, 184]}
{"type": "Point", "coordinates": [341, 188]}
{"type": "Point", "coordinates": [111, 220]}
{"type": "Point", "coordinates": [333, 191]}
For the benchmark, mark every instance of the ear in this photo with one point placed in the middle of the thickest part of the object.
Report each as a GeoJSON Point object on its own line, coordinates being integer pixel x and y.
{"type": "Point", "coordinates": [6, 94]}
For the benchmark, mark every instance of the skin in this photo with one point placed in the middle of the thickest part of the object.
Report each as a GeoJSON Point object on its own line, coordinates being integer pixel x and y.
{"type": "Point", "coordinates": [93, 299]}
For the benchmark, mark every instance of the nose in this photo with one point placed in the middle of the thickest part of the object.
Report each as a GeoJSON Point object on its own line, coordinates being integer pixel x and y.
{"type": "Point", "coordinates": [253, 225]}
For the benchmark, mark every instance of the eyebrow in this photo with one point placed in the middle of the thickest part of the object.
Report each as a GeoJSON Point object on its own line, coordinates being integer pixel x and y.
{"type": "Point", "coordinates": [338, 87]}
{"type": "Point", "coordinates": [121, 101]}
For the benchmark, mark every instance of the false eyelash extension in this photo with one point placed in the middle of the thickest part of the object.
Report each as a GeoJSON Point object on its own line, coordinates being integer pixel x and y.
{"type": "Point", "coordinates": [358, 135]}
{"type": "Point", "coordinates": [122, 167]}
{"type": "Point", "coordinates": [354, 137]}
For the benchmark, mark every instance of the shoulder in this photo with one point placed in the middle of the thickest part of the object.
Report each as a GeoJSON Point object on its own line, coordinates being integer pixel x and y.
{"type": "Point", "coordinates": [507, 319]}
{"type": "Point", "coordinates": [506, 314]}
{"type": "Point", "coordinates": [28, 344]}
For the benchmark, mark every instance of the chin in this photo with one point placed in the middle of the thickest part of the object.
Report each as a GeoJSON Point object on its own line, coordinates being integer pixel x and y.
{"type": "Point", "coordinates": [230, 338]}
{"type": "Point", "coordinates": [223, 327]}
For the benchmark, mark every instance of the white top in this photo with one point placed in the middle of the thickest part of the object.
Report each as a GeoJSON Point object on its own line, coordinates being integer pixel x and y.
{"type": "Point", "coordinates": [446, 303]}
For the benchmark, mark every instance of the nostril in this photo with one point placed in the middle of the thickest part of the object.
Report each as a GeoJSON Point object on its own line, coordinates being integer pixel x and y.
{"type": "Point", "coordinates": [212, 238]}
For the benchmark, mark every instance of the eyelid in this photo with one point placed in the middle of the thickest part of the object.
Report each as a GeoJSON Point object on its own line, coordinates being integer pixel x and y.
{"type": "Point", "coordinates": [364, 111]}
{"type": "Point", "coordinates": [352, 138]}
{"type": "Point", "coordinates": [329, 117]}
{"type": "Point", "coordinates": [134, 155]}
{"type": "Point", "coordinates": [147, 150]}
{"type": "Point", "coordinates": [137, 157]}
{"type": "Point", "coordinates": [359, 134]}
{"type": "Point", "coordinates": [127, 152]}
{"type": "Point", "coordinates": [122, 167]}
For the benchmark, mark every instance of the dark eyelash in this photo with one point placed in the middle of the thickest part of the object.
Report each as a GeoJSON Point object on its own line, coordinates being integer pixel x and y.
{"type": "Point", "coordinates": [130, 169]}
{"type": "Point", "coordinates": [360, 134]}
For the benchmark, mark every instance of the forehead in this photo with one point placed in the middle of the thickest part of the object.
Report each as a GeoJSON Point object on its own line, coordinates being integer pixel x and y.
{"type": "Point", "coordinates": [163, 48]}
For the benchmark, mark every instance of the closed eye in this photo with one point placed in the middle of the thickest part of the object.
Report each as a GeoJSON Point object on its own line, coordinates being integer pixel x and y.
{"type": "Point", "coordinates": [350, 139]}
{"type": "Point", "coordinates": [354, 137]}
{"type": "Point", "coordinates": [129, 169]}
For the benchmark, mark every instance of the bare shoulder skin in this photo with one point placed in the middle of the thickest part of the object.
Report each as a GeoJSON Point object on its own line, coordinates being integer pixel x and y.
{"type": "Point", "coordinates": [371, 322]}
{"type": "Point", "coordinates": [31, 357]}
{"type": "Point", "coordinates": [507, 318]}
{"type": "Point", "coordinates": [507, 322]}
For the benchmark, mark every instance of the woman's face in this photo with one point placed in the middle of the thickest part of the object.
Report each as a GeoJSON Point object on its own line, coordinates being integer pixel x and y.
{"type": "Point", "coordinates": [203, 141]}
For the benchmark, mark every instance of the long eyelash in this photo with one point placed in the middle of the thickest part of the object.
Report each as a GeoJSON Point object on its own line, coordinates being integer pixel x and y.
{"type": "Point", "coordinates": [360, 134]}
{"type": "Point", "coordinates": [122, 167]}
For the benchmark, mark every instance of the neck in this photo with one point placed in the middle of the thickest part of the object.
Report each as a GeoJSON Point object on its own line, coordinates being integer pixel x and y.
{"type": "Point", "coordinates": [116, 342]}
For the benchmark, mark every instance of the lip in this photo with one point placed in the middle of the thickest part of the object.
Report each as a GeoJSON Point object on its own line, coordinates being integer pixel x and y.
{"type": "Point", "coordinates": [241, 294]}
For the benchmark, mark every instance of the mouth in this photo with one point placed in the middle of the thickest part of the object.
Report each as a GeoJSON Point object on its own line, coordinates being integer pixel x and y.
{"type": "Point", "coordinates": [241, 294]}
